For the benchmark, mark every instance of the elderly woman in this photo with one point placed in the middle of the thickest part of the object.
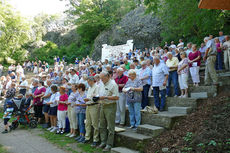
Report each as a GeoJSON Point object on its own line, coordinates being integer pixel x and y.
{"type": "Point", "coordinates": [195, 61]}
{"type": "Point", "coordinates": [133, 89]}
{"type": "Point", "coordinates": [37, 100]}
{"type": "Point", "coordinates": [183, 75]}
{"type": "Point", "coordinates": [71, 111]}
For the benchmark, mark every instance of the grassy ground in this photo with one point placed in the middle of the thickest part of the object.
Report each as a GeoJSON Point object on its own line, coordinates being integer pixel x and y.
{"type": "Point", "coordinates": [68, 144]}
{"type": "Point", "coordinates": [2, 149]}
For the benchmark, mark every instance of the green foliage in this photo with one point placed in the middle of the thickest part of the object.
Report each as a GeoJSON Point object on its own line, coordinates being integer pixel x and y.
{"type": "Point", "coordinates": [15, 32]}
{"type": "Point", "coordinates": [50, 50]}
{"type": "Point", "coordinates": [188, 137]}
{"type": "Point", "coordinates": [212, 143]}
{"type": "Point", "coordinates": [98, 15]}
{"type": "Point", "coordinates": [183, 19]}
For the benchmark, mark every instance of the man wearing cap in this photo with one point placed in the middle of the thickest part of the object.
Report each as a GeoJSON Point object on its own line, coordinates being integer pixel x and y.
{"type": "Point", "coordinates": [108, 111]}
{"type": "Point", "coordinates": [92, 112]}
{"type": "Point", "coordinates": [121, 80]}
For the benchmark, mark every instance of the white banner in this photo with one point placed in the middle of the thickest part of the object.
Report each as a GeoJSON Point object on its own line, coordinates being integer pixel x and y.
{"type": "Point", "coordinates": [112, 52]}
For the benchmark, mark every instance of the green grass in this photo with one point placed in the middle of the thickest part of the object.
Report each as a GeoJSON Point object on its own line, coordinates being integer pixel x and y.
{"type": "Point", "coordinates": [67, 143]}
{"type": "Point", "coordinates": [2, 149]}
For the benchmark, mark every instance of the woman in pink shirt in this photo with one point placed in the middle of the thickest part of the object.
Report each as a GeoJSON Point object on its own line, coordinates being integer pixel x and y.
{"type": "Point", "coordinates": [37, 101]}
{"type": "Point", "coordinates": [62, 110]}
{"type": "Point", "coordinates": [194, 64]}
{"type": "Point", "coordinates": [219, 60]}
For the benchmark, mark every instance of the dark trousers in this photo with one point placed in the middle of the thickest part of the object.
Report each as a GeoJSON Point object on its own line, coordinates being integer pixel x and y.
{"type": "Point", "coordinates": [219, 61]}
{"type": "Point", "coordinates": [22, 91]}
{"type": "Point", "coordinates": [145, 97]}
{"type": "Point", "coordinates": [173, 77]}
{"type": "Point", "coordinates": [156, 91]}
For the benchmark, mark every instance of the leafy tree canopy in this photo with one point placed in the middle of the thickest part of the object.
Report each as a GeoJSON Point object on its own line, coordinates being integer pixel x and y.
{"type": "Point", "coordinates": [183, 19]}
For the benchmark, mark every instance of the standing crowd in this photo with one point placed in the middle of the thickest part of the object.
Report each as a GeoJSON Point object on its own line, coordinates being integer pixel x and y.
{"type": "Point", "coordinates": [94, 95]}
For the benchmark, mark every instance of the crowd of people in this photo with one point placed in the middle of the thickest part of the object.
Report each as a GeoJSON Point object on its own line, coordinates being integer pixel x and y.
{"type": "Point", "coordinates": [96, 94]}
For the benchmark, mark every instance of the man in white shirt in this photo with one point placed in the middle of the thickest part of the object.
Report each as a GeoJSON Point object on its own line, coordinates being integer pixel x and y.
{"type": "Point", "coordinates": [73, 78]}
{"type": "Point", "coordinates": [181, 44]}
{"type": "Point", "coordinates": [226, 47]}
{"type": "Point", "coordinates": [173, 46]}
{"type": "Point", "coordinates": [159, 80]}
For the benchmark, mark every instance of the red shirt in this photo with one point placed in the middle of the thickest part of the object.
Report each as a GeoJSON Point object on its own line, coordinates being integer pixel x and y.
{"type": "Point", "coordinates": [63, 107]}
{"type": "Point", "coordinates": [121, 80]}
{"type": "Point", "coordinates": [37, 101]}
{"type": "Point", "coordinates": [194, 55]}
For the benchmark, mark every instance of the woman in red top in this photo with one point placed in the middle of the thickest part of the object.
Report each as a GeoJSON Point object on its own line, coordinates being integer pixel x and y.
{"type": "Point", "coordinates": [194, 64]}
{"type": "Point", "coordinates": [37, 101]}
{"type": "Point", "coordinates": [219, 60]}
{"type": "Point", "coordinates": [92, 71]}
{"type": "Point", "coordinates": [62, 110]}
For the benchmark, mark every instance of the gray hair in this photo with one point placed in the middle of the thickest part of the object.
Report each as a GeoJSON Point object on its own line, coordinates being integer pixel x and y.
{"type": "Point", "coordinates": [169, 53]}
{"type": "Point", "coordinates": [120, 69]}
{"type": "Point", "coordinates": [156, 57]}
{"type": "Point", "coordinates": [183, 53]}
{"type": "Point", "coordinates": [105, 73]}
{"type": "Point", "coordinates": [132, 71]}
{"type": "Point", "coordinates": [206, 38]}
{"type": "Point", "coordinates": [144, 63]}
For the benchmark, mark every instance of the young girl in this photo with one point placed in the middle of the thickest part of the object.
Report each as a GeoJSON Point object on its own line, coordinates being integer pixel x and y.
{"type": "Point", "coordinates": [62, 110]}
{"type": "Point", "coordinates": [53, 108]}
{"type": "Point", "coordinates": [80, 110]}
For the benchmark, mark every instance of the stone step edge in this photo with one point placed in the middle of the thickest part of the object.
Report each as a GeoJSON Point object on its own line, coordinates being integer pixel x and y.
{"type": "Point", "coordinates": [123, 150]}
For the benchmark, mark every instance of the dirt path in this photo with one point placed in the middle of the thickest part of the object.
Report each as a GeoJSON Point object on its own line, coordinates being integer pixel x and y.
{"type": "Point", "coordinates": [26, 141]}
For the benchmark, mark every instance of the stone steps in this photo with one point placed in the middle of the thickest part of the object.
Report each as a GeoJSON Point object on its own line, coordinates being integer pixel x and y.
{"type": "Point", "coordinates": [180, 110]}
{"type": "Point", "coordinates": [131, 139]}
{"type": "Point", "coordinates": [150, 130]}
{"type": "Point", "coordinates": [199, 95]}
{"type": "Point", "coordinates": [211, 90]}
{"type": "Point", "coordinates": [163, 119]}
{"type": "Point", "coordinates": [123, 150]}
{"type": "Point", "coordinates": [175, 101]}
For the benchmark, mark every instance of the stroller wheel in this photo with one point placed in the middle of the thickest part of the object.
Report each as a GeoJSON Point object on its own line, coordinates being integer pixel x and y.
{"type": "Point", "coordinates": [14, 125]}
{"type": "Point", "coordinates": [33, 124]}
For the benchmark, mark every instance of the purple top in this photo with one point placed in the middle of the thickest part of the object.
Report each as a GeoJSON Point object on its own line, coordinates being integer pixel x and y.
{"type": "Point", "coordinates": [181, 63]}
{"type": "Point", "coordinates": [38, 101]}
{"type": "Point", "coordinates": [194, 55]}
{"type": "Point", "coordinates": [218, 46]}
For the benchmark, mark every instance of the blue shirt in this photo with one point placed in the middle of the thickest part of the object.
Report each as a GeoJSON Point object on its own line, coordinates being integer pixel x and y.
{"type": "Point", "coordinates": [48, 91]}
{"type": "Point", "coordinates": [158, 74]}
{"type": "Point", "coordinates": [143, 73]}
{"type": "Point", "coordinates": [80, 100]}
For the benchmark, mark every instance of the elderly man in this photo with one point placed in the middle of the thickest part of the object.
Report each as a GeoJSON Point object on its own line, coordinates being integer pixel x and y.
{"type": "Point", "coordinates": [23, 85]}
{"type": "Point", "coordinates": [92, 112]}
{"type": "Point", "coordinates": [73, 78]}
{"type": "Point", "coordinates": [108, 111]}
{"type": "Point", "coordinates": [210, 56]}
{"type": "Point", "coordinates": [145, 77]}
{"type": "Point", "coordinates": [121, 81]}
{"type": "Point", "coordinates": [226, 47]}
{"type": "Point", "coordinates": [159, 80]}
{"type": "Point", "coordinates": [172, 64]}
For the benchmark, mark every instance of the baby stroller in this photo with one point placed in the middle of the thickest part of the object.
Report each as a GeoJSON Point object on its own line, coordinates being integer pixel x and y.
{"type": "Point", "coordinates": [23, 116]}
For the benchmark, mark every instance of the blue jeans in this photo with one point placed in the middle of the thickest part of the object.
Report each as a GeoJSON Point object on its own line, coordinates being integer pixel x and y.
{"type": "Point", "coordinates": [81, 123]}
{"type": "Point", "coordinates": [157, 103]}
{"type": "Point", "coordinates": [145, 96]}
{"type": "Point", "coordinates": [6, 100]}
{"type": "Point", "coordinates": [219, 61]}
{"type": "Point", "coordinates": [134, 113]}
{"type": "Point", "coordinates": [173, 77]}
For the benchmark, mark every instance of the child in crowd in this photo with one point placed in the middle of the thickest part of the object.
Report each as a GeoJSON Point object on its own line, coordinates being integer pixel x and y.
{"type": "Point", "coordinates": [62, 110]}
{"type": "Point", "coordinates": [7, 115]}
